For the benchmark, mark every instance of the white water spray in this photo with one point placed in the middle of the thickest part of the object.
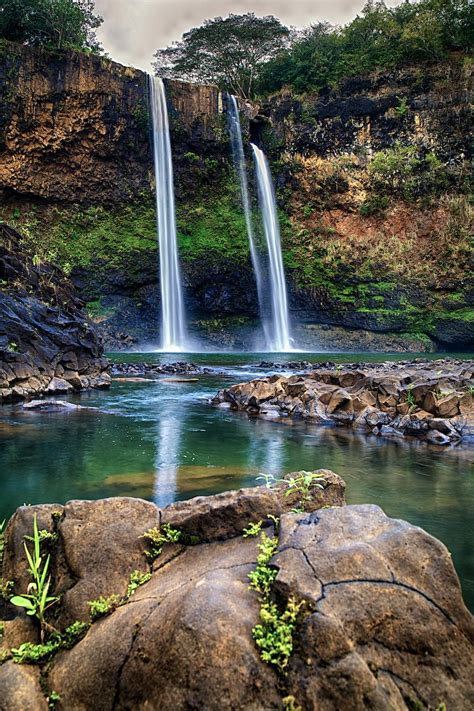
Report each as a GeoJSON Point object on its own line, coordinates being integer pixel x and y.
{"type": "Point", "coordinates": [241, 170]}
{"type": "Point", "coordinates": [280, 338]}
{"type": "Point", "coordinates": [172, 308]}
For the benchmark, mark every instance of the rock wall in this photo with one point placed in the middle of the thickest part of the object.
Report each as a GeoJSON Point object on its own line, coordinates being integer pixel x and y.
{"type": "Point", "coordinates": [46, 343]}
{"type": "Point", "coordinates": [367, 269]}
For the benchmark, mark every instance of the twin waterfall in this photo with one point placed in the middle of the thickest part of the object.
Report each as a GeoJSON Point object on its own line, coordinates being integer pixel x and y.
{"type": "Point", "coordinates": [172, 308]}
{"type": "Point", "coordinates": [174, 332]}
{"type": "Point", "coordinates": [280, 329]}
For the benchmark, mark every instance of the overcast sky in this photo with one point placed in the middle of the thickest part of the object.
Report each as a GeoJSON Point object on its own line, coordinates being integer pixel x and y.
{"type": "Point", "coordinates": [134, 29]}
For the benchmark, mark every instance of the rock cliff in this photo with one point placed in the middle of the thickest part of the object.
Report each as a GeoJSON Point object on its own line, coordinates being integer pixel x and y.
{"type": "Point", "coordinates": [371, 182]}
{"type": "Point", "coordinates": [46, 343]}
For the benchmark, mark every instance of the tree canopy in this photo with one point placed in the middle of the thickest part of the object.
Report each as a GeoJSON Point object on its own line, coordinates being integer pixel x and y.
{"type": "Point", "coordinates": [226, 51]}
{"type": "Point", "coordinates": [50, 23]}
{"type": "Point", "coordinates": [378, 38]}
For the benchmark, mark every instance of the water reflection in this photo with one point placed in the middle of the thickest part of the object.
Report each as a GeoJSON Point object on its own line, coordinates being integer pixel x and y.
{"type": "Point", "coordinates": [161, 441]}
{"type": "Point", "coordinates": [169, 435]}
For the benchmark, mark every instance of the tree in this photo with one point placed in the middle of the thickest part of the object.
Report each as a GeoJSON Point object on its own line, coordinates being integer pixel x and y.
{"type": "Point", "coordinates": [58, 24]}
{"type": "Point", "coordinates": [226, 51]}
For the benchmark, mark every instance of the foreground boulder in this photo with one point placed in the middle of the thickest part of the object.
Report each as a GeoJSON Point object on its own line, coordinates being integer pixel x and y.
{"type": "Point", "coordinates": [46, 343]}
{"type": "Point", "coordinates": [383, 624]}
{"type": "Point", "coordinates": [429, 400]}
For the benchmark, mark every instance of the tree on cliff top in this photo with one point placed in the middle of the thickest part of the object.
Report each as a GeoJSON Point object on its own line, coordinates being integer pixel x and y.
{"type": "Point", "coordinates": [224, 51]}
{"type": "Point", "coordinates": [58, 24]}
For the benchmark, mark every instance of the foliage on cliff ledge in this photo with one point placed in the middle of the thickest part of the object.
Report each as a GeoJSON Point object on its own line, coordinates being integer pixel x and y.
{"type": "Point", "coordinates": [55, 24]}
{"type": "Point", "coordinates": [380, 38]}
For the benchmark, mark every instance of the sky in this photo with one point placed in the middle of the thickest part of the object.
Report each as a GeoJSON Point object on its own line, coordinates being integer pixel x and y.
{"type": "Point", "coordinates": [134, 29]}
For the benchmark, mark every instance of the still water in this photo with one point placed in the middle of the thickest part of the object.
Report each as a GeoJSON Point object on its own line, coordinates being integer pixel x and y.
{"type": "Point", "coordinates": [163, 441]}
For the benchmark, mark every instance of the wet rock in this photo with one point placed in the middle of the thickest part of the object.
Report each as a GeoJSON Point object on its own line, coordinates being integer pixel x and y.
{"type": "Point", "coordinates": [404, 396]}
{"type": "Point", "coordinates": [384, 600]}
{"type": "Point", "coordinates": [51, 406]}
{"type": "Point", "coordinates": [227, 514]}
{"type": "Point", "coordinates": [436, 437]}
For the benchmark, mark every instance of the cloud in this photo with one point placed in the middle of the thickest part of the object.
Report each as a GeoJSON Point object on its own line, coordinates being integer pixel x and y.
{"type": "Point", "coordinates": [134, 29]}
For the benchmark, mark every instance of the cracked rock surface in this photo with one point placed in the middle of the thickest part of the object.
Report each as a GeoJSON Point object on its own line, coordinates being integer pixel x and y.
{"type": "Point", "coordinates": [385, 625]}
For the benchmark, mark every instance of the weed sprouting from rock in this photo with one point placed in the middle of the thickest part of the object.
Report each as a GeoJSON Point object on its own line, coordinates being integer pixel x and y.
{"type": "Point", "coordinates": [137, 578]}
{"type": "Point", "coordinates": [274, 633]}
{"type": "Point", "coordinates": [103, 606]}
{"type": "Point", "coordinates": [157, 537]}
{"type": "Point", "coordinates": [37, 600]}
{"type": "Point", "coordinates": [253, 529]}
{"type": "Point", "coordinates": [303, 484]}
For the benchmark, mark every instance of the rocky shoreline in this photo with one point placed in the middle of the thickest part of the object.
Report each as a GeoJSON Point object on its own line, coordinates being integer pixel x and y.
{"type": "Point", "coordinates": [144, 368]}
{"type": "Point", "coordinates": [276, 597]}
{"type": "Point", "coordinates": [431, 400]}
{"type": "Point", "coordinates": [47, 345]}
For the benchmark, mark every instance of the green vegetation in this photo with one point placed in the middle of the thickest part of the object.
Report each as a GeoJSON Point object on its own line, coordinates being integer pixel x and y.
{"type": "Point", "coordinates": [213, 226]}
{"type": "Point", "coordinates": [103, 606]}
{"type": "Point", "coordinates": [29, 653]}
{"type": "Point", "coordinates": [274, 634]}
{"type": "Point", "coordinates": [405, 172]}
{"type": "Point", "coordinates": [224, 51]}
{"type": "Point", "coordinates": [54, 24]}
{"type": "Point", "coordinates": [52, 699]}
{"type": "Point", "coordinates": [253, 529]}
{"type": "Point", "coordinates": [37, 600]}
{"type": "Point", "coordinates": [157, 537]}
{"type": "Point", "coordinates": [137, 578]}
{"type": "Point", "coordinates": [263, 577]}
{"type": "Point", "coordinates": [303, 484]}
{"type": "Point", "coordinates": [380, 38]}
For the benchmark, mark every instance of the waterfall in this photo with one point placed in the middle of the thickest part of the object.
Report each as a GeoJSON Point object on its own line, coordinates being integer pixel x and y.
{"type": "Point", "coordinates": [280, 338]}
{"type": "Point", "coordinates": [172, 308]}
{"type": "Point", "coordinates": [241, 170]}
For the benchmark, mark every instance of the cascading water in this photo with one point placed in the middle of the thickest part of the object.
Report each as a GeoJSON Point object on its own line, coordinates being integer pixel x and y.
{"type": "Point", "coordinates": [238, 155]}
{"type": "Point", "coordinates": [280, 338]}
{"type": "Point", "coordinates": [172, 308]}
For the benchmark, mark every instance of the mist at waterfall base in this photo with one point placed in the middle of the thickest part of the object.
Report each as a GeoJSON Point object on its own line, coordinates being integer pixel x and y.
{"type": "Point", "coordinates": [273, 308]}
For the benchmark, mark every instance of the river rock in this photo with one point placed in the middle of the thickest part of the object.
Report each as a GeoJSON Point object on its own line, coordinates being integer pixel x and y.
{"type": "Point", "coordinates": [384, 625]}
{"type": "Point", "coordinates": [383, 398]}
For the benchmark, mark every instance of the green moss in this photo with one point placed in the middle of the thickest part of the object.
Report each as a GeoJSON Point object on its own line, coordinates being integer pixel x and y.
{"type": "Point", "coordinates": [214, 228]}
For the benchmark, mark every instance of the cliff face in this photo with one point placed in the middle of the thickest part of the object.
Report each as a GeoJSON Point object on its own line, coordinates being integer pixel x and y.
{"type": "Point", "coordinates": [371, 183]}
{"type": "Point", "coordinates": [46, 344]}
{"type": "Point", "coordinates": [75, 127]}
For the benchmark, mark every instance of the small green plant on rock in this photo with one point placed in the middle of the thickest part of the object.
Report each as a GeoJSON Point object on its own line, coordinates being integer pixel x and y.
{"type": "Point", "coordinates": [262, 578]}
{"type": "Point", "coordinates": [137, 578]}
{"type": "Point", "coordinates": [157, 537]}
{"type": "Point", "coordinates": [303, 484]}
{"type": "Point", "coordinates": [274, 634]}
{"type": "Point", "coordinates": [6, 589]}
{"type": "Point", "coordinates": [103, 606]}
{"type": "Point", "coordinates": [253, 529]}
{"type": "Point", "coordinates": [37, 600]}
{"type": "Point", "coordinates": [269, 479]}
{"type": "Point", "coordinates": [30, 653]}
{"type": "Point", "coordinates": [53, 699]}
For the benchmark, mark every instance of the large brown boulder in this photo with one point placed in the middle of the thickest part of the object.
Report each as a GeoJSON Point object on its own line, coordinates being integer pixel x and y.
{"type": "Point", "coordinates": [384, 625]}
